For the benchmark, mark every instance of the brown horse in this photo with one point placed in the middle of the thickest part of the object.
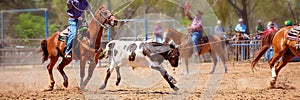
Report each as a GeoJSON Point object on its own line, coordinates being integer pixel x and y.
{"type": "Point", "coordinates": [53, 48]}
{"type": "Point", "coordinates": [282, 46]}
{"type": "Point", "coordinates": [186, 47]}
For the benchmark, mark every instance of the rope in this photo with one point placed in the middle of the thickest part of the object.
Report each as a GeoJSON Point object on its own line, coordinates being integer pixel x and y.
{"type": "Point", "coordinates": [203, 44]}
{"type": "Point", "coordinates": [124, 8]}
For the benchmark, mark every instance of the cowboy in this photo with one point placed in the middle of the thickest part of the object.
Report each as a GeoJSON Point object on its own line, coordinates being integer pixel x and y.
{"type": "Point", "coordinates": [75, 10]}
{"type": "Point", "coordinates": [196, 28]}
{"type": "Point", "coordinates": [241, 28]}
{"type": "Point", "coordinates": [272, 22]}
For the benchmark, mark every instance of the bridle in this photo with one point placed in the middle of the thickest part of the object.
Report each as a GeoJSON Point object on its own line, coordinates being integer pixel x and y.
{"type": "Point", "coordinates": [106, 19]}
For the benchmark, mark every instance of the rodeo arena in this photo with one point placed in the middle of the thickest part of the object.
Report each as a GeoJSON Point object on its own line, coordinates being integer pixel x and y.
{"type": "Point", "coordinates": [148, 56]}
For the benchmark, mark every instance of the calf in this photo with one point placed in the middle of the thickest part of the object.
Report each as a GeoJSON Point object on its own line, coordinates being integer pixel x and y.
{"type": "Point", "coordinates": [140, 54]}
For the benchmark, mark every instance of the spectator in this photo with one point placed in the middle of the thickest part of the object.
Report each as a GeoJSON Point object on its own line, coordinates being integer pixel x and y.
{"type": "Point", "coordinates": [272, 21]}
{"type": "Point", "coordinates": [219, 29]}
{"type": "Point", "coordinates": [259, 29]}
{"type": "Point", "coordinates": [241, 28]}
{"type": "Point", "coordinates": [271, 29]}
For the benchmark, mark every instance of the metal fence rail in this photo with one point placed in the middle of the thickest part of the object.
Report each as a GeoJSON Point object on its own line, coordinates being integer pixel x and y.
{"type": "Point", "coordinates": [25, 52]}
{"type": "Point", "coordinates": [243, 49]}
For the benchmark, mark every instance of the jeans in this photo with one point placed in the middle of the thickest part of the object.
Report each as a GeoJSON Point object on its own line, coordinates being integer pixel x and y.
{"type": "Point", "coordinates": [159, 39]}
{"type": "Point", "coordinates": [195, 38]}
{"type": "Point", "coordinates": [72, 32]}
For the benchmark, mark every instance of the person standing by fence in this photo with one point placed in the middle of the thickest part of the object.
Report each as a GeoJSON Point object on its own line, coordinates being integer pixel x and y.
{"type": "Point", "coordinates": [219, 29]}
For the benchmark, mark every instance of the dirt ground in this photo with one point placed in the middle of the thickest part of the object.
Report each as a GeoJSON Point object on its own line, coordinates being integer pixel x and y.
{"type": "Point", "coordinates": [26, 82]}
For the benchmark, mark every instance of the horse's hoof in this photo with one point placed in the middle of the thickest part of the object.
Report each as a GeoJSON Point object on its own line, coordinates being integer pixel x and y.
{"type": "Point", "coordinates": [102, 87]}
{"type": "Point", "coordinates": [273, 81]}
{"type": "Point", "coordinates": [65, 84]}
{"type": "Point", "coordinates": [48, 89]}
{"type": "Point", "coordinates": [211, 72]}
{"type": "Point", "coordinates": [175, 88]}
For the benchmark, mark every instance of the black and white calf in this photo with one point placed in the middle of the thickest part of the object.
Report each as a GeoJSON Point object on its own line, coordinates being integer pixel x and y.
{"type": "Point", "coordinates": [140, 54]}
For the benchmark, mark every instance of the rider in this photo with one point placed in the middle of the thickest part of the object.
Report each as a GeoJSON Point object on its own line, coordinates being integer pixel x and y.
{"type": "Point", "coordinates": [272, 21]}
{"type": "Point", "coordinates": [288, 23]}
{"type": "Point", "coordinates": [196, 28]}
{"type": "Point", "coordinates": [75, 9]}
{"type": "Point", "coordinates": [241, 28]}
{"type": "Point", "coordinates": [158, 32]}
{"type": "Point", "coordinates": [219, 29]}
{"type": "Point", "coordinates": [270, 29]}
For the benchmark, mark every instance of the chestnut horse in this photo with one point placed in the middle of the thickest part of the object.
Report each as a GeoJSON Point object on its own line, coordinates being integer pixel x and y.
{"type": "Point", "coordinates": [216, 47]}
{"type": "Point", "coordinates": [53, 48]}
{"type": "Point", "coordinates": [283, 47]}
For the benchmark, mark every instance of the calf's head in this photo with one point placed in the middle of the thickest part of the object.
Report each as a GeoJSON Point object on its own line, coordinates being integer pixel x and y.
{"type": "Point", "coordinates": [173, 56]}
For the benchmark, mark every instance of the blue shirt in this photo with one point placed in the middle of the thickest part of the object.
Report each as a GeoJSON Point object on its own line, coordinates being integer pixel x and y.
{"type": "Point", "coordinates": [76, 7]}
{"type": "Point", "coordinates": [240, 28]}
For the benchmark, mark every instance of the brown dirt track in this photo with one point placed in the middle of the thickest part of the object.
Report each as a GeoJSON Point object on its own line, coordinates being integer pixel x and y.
{"type": "Point", "coordinates": [239, 83]}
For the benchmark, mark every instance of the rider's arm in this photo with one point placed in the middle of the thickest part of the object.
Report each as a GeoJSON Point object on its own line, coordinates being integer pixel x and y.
{"type": "Point", "coordinates": [188, 15]}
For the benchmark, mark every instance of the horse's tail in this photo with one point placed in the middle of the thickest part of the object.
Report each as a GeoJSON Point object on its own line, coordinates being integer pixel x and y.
{"type": "Point", "coordinates": [266, 44]}
{"type": "Point", "coordinates": [45, 50]}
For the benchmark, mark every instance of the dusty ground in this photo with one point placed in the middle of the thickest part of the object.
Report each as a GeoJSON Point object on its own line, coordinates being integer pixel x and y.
{"type": "Point", "coordinates": [239, 83]}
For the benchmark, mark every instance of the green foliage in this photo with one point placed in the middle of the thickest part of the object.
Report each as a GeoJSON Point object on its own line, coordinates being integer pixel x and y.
{"type": "Point", "coordinates": [30, 26]}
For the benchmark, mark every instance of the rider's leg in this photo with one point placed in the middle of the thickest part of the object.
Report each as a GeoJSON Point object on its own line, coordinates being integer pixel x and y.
{"type": "Point", "coordinates": [72, 29]}
{"type": "Point", "coordinates": [195, 38]}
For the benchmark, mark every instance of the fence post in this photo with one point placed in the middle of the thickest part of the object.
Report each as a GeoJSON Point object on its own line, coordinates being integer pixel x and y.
{"type": "Point", "coordinates": [146, 29]}
{"type": "Point", "coordinates": [2, 38]}
{"type": "Point", "coordinates": [108, 33]}
{"type": "Point", "coordinates": [46, 22]}
{"type": "Point", "coordinates": [135, 31]}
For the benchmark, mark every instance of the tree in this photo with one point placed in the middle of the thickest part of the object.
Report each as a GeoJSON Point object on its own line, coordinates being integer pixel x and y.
{"type": "Point", "coordinates": [242, 9]}
{"type": "Point", "coordinates": [30, 26]}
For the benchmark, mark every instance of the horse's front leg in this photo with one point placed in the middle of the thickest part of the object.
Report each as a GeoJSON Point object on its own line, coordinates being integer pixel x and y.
{"type": "Point", "coordinates": [82, 71]}
{"type": "Point", "coordinates": [91, 69]}
{"type": "Point", "coordinates": [166, 76]}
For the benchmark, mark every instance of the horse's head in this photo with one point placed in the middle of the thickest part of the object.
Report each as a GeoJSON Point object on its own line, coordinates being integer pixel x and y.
{"type": "Point", "coordinates": [173, 56]}
{"type": "Point", "coordinates": [106, 17]}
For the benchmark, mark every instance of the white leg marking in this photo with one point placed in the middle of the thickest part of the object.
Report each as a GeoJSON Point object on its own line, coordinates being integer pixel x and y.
{"type": "Point", "coordinates": [273, 72]}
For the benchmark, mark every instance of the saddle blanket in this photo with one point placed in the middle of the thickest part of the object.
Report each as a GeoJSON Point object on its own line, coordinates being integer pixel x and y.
{"type": "Point", "coordinates": [293, 32]}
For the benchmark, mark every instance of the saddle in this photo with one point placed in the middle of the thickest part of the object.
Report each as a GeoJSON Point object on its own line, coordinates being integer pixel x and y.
{"type": "Point", "coordinates": [63, 35]}
{"type": "Point", "coordinates": [203, 40]}
{"type": "Point", "coordinates": [294, 33]}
